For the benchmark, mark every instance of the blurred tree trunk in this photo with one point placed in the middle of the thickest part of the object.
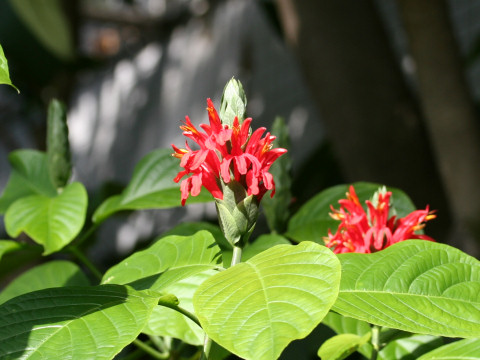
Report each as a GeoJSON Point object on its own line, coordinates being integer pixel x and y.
{"type": "Point", "coordinates": [373, 121]}
{"type": "Point", "coordinates": [446, 103]}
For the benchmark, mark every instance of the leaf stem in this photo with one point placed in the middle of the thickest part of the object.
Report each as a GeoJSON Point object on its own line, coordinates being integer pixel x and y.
{"type": "Point", "coordinates": [74, 250]}
{"type": "Point", "coordinates": [375, 341]}
{"type": "Point", "coordinates": [180, 310]}
{"type": "Point", "coordinates": [150, 351]}
{"type": "Point", "coordinates": [237, 255]}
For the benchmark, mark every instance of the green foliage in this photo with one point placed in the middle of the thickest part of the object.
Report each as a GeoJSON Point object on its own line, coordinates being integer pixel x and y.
{"type": "Point", "coordinates": [50, 221]}
{"type": "Point", "coordinates": [417, 286]}
{"type": "Point", "coordinates": [312, 221]}
{"type": "Point", "coordinates": [151, 187]}
{"type": "Point", "coordinates": [58, 147]}
{"type": "Point", "coordinates": [47, 21]}
{"type": "Point", "coordinates": [73, 322]}
{"type": "Point", "coordinates": [341, 346]}
{"type": "Point", "coordinates": [254, 309]}
{"type": "Point", "coordinates": [234, 103]}
{"type": "Point", "coordinates": [4, 73]}
{"type": "Point", "coordinates": [8, 246]}
{"type": "Point", "coordinates": [55, 273]}
{"type": "Point", "coordinates": [166, 262]}
{"type": "Point", "coordinates": [463, 349]}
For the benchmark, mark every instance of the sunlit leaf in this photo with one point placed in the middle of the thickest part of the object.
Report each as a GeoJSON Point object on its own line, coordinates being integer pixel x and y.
{"type": "Point", "coordinates": [151, 187]}
{"type": "Point", "coordinates": [4, 72]}
{"type": "Point", "coordinates": [340, 346]}
{"type": "Point", "coordinates": [94, 322]}
{"type": "Point", "coordinates": [417, 286]}
{"type": "Point", "coordinates": [8, 246]}
{"type": "Point", "coordinates": [312, 221]}
{"type": "Point", "coordinates": [256, 308]}
{"type": "Point", "coordinates": [50, 221]}
{"type": "Point", "coordinates": [410, 348]}
{"type": "Point", "coordinates": [52, 274]}
{"type": "Point", "coordinates": [467, 349]}
{"type": "Point", "coordinates": [167, 261]}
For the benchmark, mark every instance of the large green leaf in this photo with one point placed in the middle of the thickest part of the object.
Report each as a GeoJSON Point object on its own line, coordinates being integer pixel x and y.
{"type": "Point", "coordinates": [312, 221]}
{"type": "Point", "coordinates": [8, 246]}
{"type": "Point", "coordinates": [254, 309]}
{"type": "Point", "coordinates": [467, 349]}
{"type": "Point", "coordinates": [416, 286]}
{"type": "Point", "coordinates": [50, 221]}
{"type": "Point", "coordinates": [168, 322]}
{"type": "Point", "coordinates": [151, 187]}
{"type": "Point", "coordinates": [4, 73]}
{"type": "Point", "coordinates": [169, 260]}
{"type": "Point", "coordinates": [29, 176]}
{"type": "Point", "coordinates": [410, 348]}
{"type": "Point", "coordinates": [47, 21]}
{"type": "Point", "coordinates": [94, 322]}
{"type": "Point", "coordinates": [340, 346]}
{"type": "Point", "coordinates": [52, 274]}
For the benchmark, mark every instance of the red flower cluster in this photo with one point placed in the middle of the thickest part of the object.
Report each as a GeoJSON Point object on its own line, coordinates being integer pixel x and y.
{"type": "Point", "coordinates": [366, 233]}
{"type": "Point", "coordinates": [225, 154]}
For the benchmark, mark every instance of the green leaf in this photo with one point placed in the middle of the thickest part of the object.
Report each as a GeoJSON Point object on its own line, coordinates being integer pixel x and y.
{"type": "Point", "coordinates": [51, 222]}
{"type": "Point", "coordinates": [254, 309]}
{"type": "Point", "coordinates": [52, 274]}
{"type": "Point", "coordinates": [168, 322]}
{"type": "Point", "coordinates": [346, 325]}
{"type": "Point", "coordinates": [4, 73]}
{"type": "Point", "coordinates": [410, 348]}
{"type": "Point", "coordinates": [340, 346]}
{"type": "Point", "coordinates": [94, 322]}
{"type": "Point", "coordinates": [233, 104]}
{"type": "Point", "coordinates": [415, 285]}
{"type": "Point", "coordinates": [169, 260]}
{"type": "Point", "coordinates": [58, 147]}
{"type": "Point", "coordinates": [276, 209]}
{"type": "Point", "coordinates": [190, 228]}
{"type": "Point", "coordinates": [151, 187]}
{"type": "Point", "coordinates": [8, 246]}
{"type": "Point", "coordinates": [29, 176]}
{"type": "Point", "coordinates": [47, 21]}
{"type": "Point", "coordinates": [468, 349]}
{"type": "Point", "coordinates": [312, 221]}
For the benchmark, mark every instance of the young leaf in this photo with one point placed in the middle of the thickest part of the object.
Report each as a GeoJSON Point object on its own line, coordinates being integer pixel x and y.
{"type": "Point", "coordinates": [341, 346]}
{"type": "Point", "coordinates": [151, 187]}
{"type": "Point", "coordinates": [4, 73]}
{"type": "Point", "coordinates": [52, 274]}
{"type": "Point", "coordinates": [168, 322]}
{"type": "Point", "coordinates": [29, 176]}
{"type": "Point", "coordinates": [312, 221]}
{"type": "Point", "coordinates": [417, 286]}
{"type": "Point", "coordinates": [50, 221]}
{"type": "Point", "coordinates": [234, 103]}
{"type": "Point", "coordinates": [8, 246]}
{"type": "Point", "coordinates": [254, 309]}
{"type": "Point", "coordinates": [276, 209]}
{"type": "Point", "coordinates": [167, 261]}
{"type": "Point", "coordinates": [58, 147]}
{"type": "Point", "coordinates": [94, 322]}
{"type": "Point", "coordinates": [463, 349]}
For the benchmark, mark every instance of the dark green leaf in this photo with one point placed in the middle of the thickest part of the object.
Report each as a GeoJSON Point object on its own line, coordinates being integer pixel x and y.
{"type": "Point", "coordinates": [151, 187]}
{"type": "Point", "coordinates": [8, 246]}
{"type": "Point", "coordinates": [94, 322]}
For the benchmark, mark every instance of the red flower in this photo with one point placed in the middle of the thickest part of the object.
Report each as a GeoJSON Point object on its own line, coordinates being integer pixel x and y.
{"type": "Point", "coordinates": [366, 233]}
{"type": "Point", "coordinates": [226, 154]}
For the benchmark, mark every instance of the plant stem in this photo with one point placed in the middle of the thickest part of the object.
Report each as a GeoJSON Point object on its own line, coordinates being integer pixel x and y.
{"type": "Point", "coordinates": [180, 310]}
{"type": "Point", "coordinates": [74, 250]}
{"type": "Point", "coordinates": [150, 351]}
{"type": "Point", "coordinates": [375, 341]}
{"type": "Point", "coordinates": [237, 255]}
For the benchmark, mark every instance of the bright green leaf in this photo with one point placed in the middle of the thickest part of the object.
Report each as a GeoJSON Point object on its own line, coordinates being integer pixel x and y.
{"type": "Point", "coordinates": [190, 228]}
{"type": "Point", "coordinates": [168, 322]}
{"type": "Point", "coordinates": [312, 221]}
{"type": "Point", "coordinates": [169, 260]}
{"type": "Point", "coordinates": [50, 221]}
{"type": "Point", "coordinates": [417, 286]}
{"type": "Point", "coordinates": [52, 274]}
{"type": "Point", "coordinates": [467, 349]}
{"type": "Point", "coordinates": [341, 346]}
{"type": "Point", "coordinates": [254, 309]}
{"type": "Point", "coordinates": [4, 73]}
{"type": "Point", "coordinates": [410, 348]}
{"type": "Point", "coordinates": [151, 187]}
{"type": "Point", "coordinates": [8, 246]}
{"type": "Point", "coordinates": [29, 176]}
{"type": "Point", "coordinates": [48, 22]}
{"type": "Point", "coordinates": [94, 322]}
{"type": "Point", "coordinates": [233, 104]}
